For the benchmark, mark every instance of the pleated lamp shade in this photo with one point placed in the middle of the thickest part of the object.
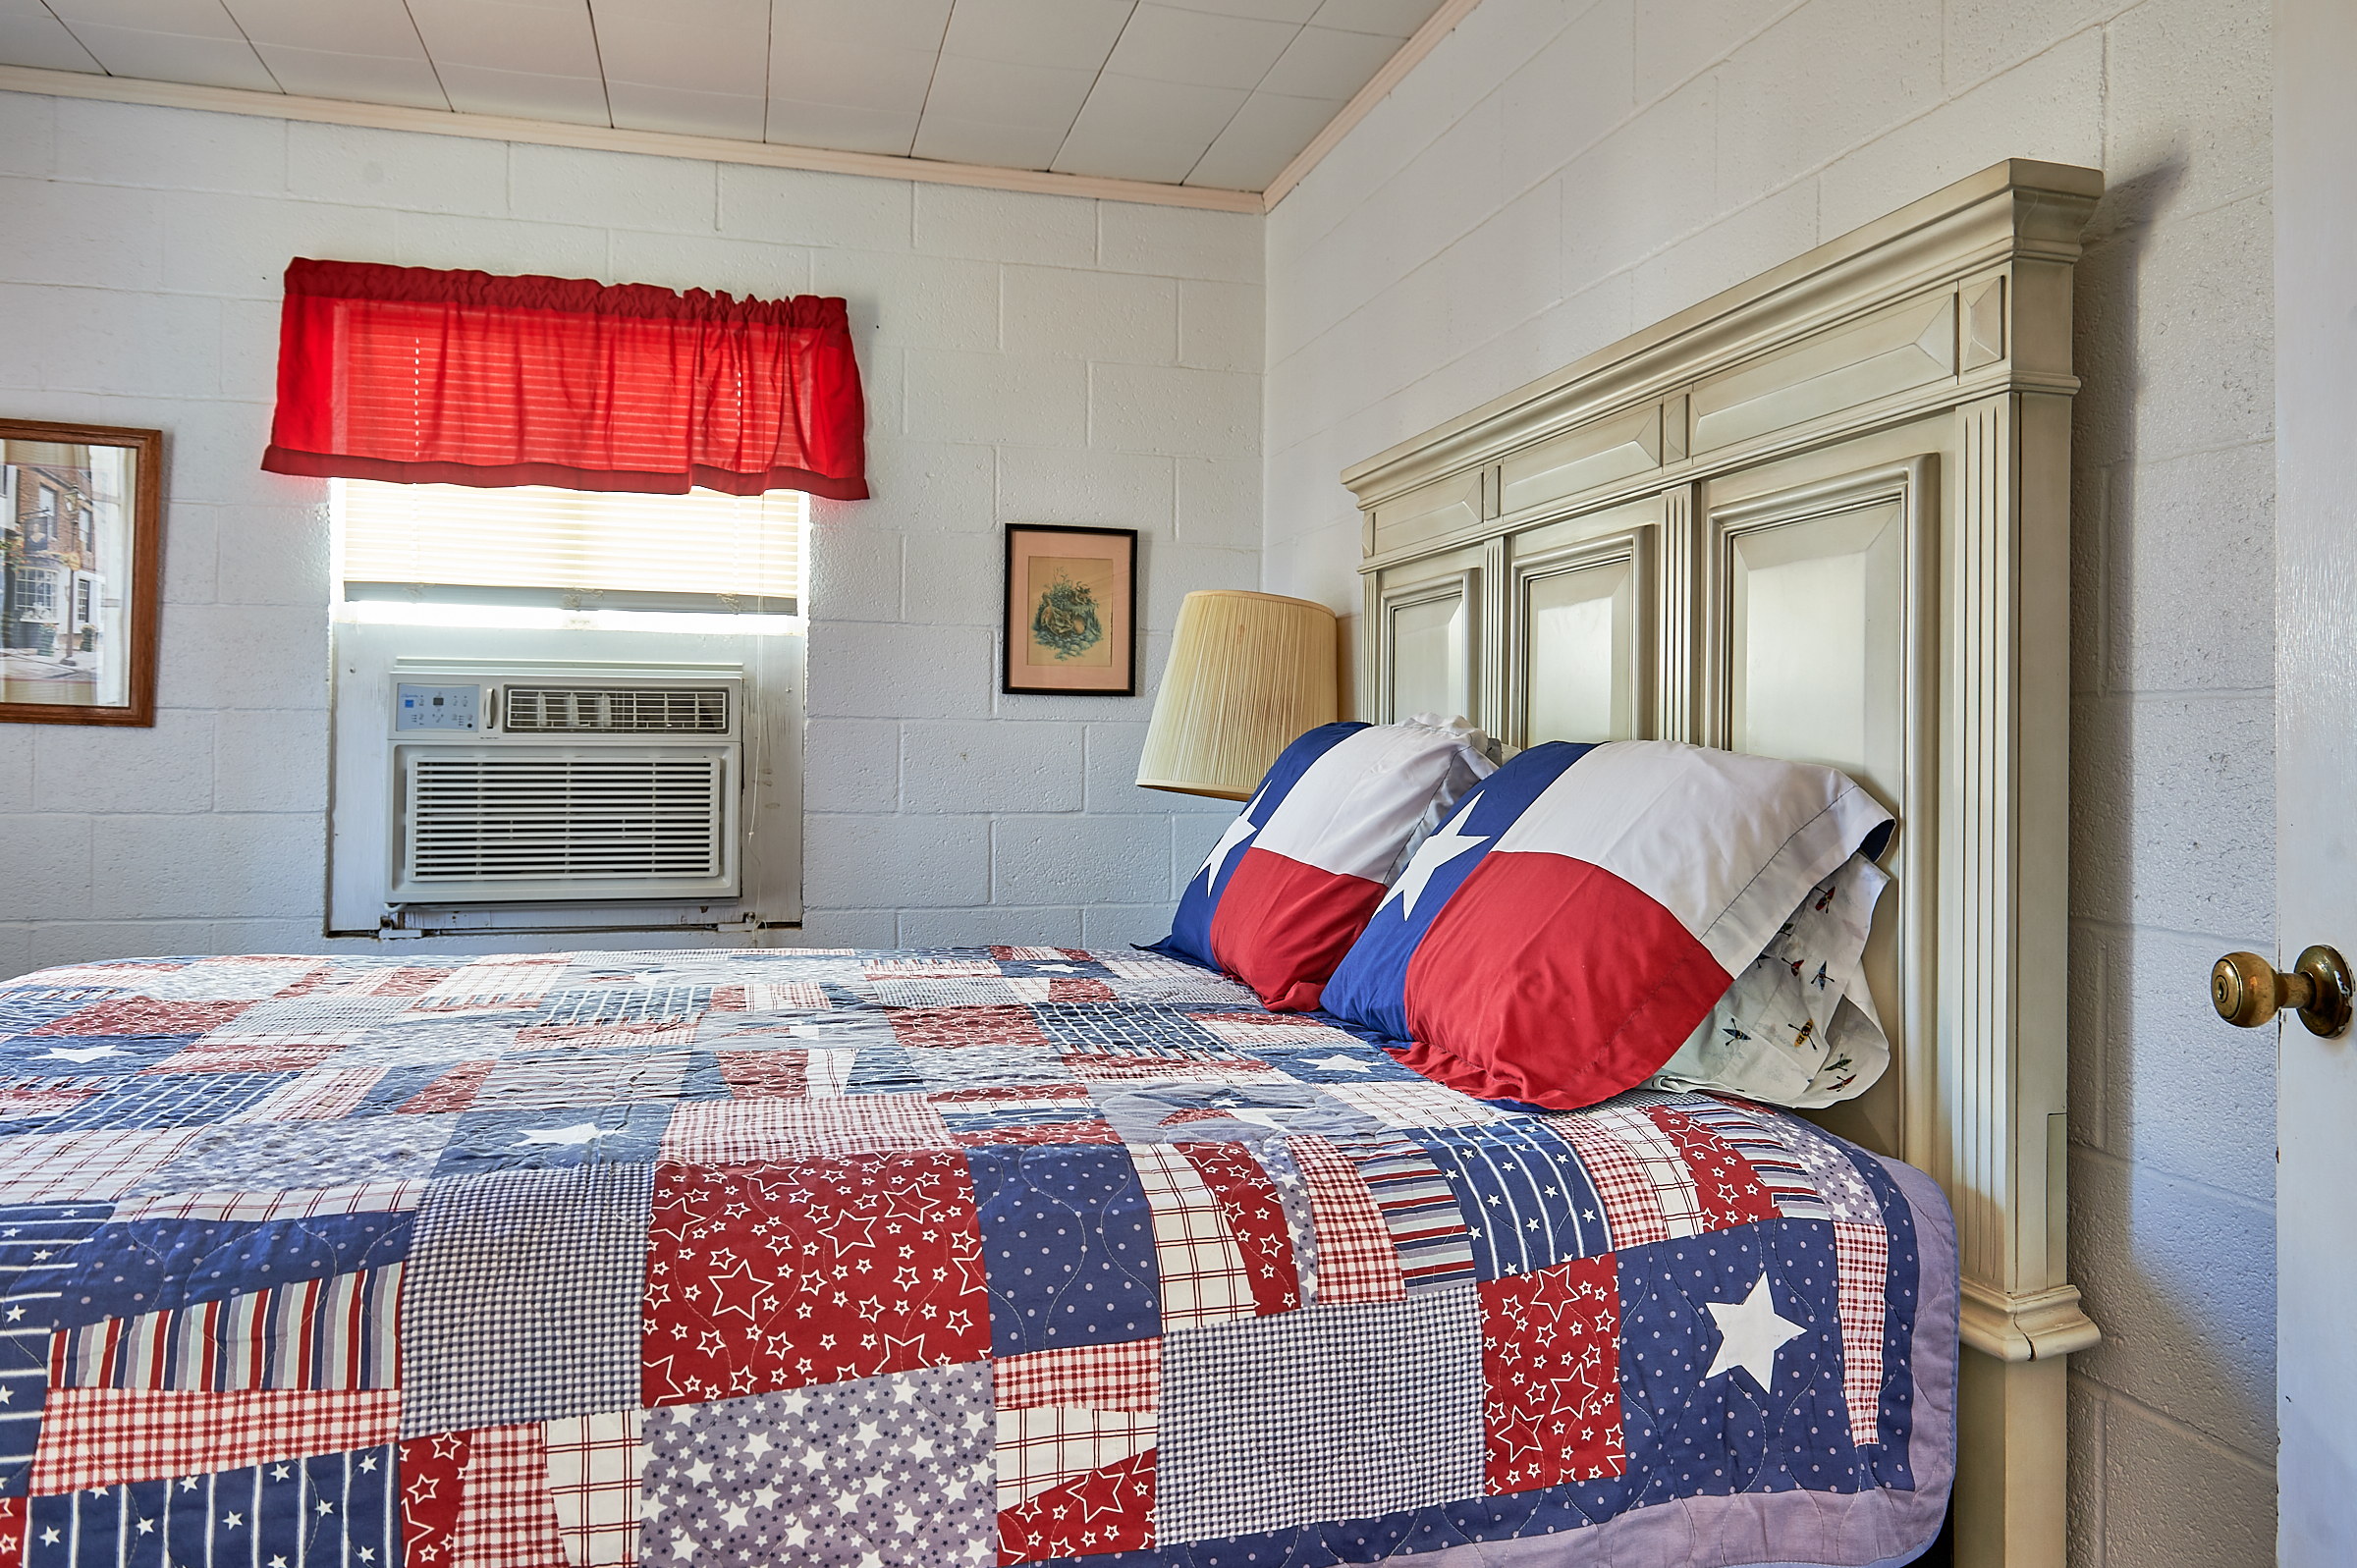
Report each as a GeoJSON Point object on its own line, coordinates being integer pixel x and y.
{"type": "Point", "coordinates": [1248, 673]}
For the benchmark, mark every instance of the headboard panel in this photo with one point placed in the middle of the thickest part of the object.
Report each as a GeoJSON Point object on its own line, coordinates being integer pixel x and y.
{"type": "Point", "coordinates": [1824, 515]}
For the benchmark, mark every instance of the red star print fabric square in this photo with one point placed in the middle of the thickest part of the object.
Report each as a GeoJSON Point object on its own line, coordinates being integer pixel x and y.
{"type": "Point", "coordinates": [812, 1270]}
{"type": "Point", "coordinates": [1551, 1376]}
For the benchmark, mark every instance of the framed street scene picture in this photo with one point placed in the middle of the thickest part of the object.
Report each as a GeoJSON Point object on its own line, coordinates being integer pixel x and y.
{"type": "Point", "coordinates": [80, 543]}
{"type": "Point", "coordinates": [1071, 610]}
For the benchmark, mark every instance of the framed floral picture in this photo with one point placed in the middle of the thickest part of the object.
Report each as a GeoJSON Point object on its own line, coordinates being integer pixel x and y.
{"type": "Point", "coordinates": [1071, 610]}
{"type": "Point", "coordinates": [80, 547]}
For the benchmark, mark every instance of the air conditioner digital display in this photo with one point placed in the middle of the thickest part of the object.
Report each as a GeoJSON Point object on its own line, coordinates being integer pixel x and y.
{"type": "Point", "coordinates": [437, 707]}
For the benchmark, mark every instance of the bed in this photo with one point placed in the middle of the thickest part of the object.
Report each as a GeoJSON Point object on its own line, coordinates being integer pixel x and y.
{"type": "Point", "coordinates": [1033, 1254]}
{"type": "Point", "coordinates": [948, 1257]}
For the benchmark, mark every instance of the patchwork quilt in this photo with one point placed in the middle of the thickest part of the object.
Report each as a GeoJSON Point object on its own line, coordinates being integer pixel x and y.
{"type": "Point", "coordinates": [966, 1257]}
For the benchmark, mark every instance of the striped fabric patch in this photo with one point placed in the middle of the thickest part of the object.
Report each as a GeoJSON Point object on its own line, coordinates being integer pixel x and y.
{"type": "Point", "coordinates": [1773, 1160]}
{"type": "Point", "coordinates": [1356, 1258]}
{"type": "Point", "coordinates": [331, 1333]}
{"type": "Point", "coordinates": [1862, 1263]}
{"type": "Point", "coordinates": [1418, 1209]}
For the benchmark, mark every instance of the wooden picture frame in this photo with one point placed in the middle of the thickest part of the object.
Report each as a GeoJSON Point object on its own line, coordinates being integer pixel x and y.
{"type": "Point", "coordinates": [82, 526]}
{"type": "Point", "coordinates": [1070, 611]}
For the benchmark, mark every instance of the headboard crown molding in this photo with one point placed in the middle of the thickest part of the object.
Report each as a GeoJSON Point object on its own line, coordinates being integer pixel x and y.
{"type": "Point", "coordinates": [1825, 514]}
{"type": "Point", "coordinates": [2017, 209]}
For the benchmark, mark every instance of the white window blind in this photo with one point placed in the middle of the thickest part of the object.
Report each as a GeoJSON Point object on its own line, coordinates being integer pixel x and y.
{"type": "Point", "coordinates": [702, 551]}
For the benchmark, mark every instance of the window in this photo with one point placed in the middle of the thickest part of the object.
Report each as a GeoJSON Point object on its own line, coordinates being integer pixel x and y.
{"type": "Point", "coordinates": [569, 551]}
{"type": "Point", "coordinates": [35, 593]}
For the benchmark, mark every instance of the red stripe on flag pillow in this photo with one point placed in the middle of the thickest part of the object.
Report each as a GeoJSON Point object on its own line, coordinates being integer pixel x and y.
{"type": "Point", "coordinates": [1502, 1007]}
{"type": "Point", "coordinates": [1282, 926]}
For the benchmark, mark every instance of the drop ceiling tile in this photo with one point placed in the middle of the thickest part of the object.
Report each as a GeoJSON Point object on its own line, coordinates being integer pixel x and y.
{"type": "Point", "coordinates": [31, 35]}
{"type": "Point", "coordinates": [176, 57]}
{"type": "Point", "coordinates": [998, 93]}
{"type": "Point", "coordinates": [1268, 132]}
{"type": "Point", "coordinates": [479, 89]}
{"type": "Point", "coordinates": [915, 24]}
{"type": "Point", "coordinates": [846, 126]}
{"type": "Point", "coordinates": [1076, 34]}
{"type": "Point", "coordinates": [1296, 11]}
{"type": "Point", "coordinates": [852, 70]}
{"type": "Point", "coordinates": [190, 19]}
{"type": "Point", "coordinates": [1135, 108]}
{"type": "Point", "coordinates": [530, 37]}
{"type": "Point", "coordinates": [686, 111]}
{"type": "Point", "coordinates": [350, 26]}
{"type": "Point", "coordinates": [1394, 18]}
{"type": "Point", "coordinates": [1163, 43]}
{"type": "Point", "coordinates": [720, 46]}
{"type": "Point", "coordinates": [356, 78]}
{"type": "Point", "coordinates": [956, 140]}
{"type": "Point", "coordinates": [1128, 157]}
{"type": "Point", "coordinates": [1327, 62]}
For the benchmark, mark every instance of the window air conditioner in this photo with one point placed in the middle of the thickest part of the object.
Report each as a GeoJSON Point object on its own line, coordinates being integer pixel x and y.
{"type": "Point", "coordinates": [559, 782]}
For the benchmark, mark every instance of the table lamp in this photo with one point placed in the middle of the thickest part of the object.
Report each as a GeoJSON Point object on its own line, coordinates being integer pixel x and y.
{"type": "Point", "coordinates": [1248, 674]}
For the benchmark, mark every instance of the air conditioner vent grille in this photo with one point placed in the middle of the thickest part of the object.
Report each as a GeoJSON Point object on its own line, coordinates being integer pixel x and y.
{"type": "Point", "coordinates": [616, 710]}
{"type": "Point", "coordinates": [534, 818]}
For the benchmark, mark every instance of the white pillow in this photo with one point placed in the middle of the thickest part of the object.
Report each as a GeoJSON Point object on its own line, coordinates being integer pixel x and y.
{"type": "Point", "coordinates": [1798, 1025]}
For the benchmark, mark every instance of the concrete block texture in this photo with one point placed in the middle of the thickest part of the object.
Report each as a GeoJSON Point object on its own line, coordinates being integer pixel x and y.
{"type": "Point", "coordinates": [222, 865]}
{"type": "Point", "coordinates": [1692, 145]}
{"type": "Point", "coordinates": [1078, 859]}
{"type": "Point", "coordinates": [102, 768]}
{"type": "Point", "coordinates": [2181, 1279]}
{"type": "Point", "coordinates": [1090, 316]}
{"type": "Point", "coordinates": [991, 765]}
{"type": "Point", "coordinates": [146, 295]}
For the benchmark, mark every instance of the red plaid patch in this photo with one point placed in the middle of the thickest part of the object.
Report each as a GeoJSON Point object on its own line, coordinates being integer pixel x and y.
{"type": "Point", "coordinates": [84, 1167]}
{"type": "Point", "coordinates": [100, 1436]}
{"type": "Point", "coordinates": [1728, 1193]}
{"type": "Point", "coordinates": [1205, 1279]}
{"type": "Point", "coordinates": [1551, 1376]}
{"type": "Point", "coordinates": [1090, 1067]}
{"type": "Point", "coordinates": [1255, 1217]}
{"type": "Point", "coordinates": [1632, 1202]}
{"type": "Point", "coordinates": [455, 1090]}
{"type": "Point", "coordinates": [431, 1472]}
{"type": "Point", "coordinates": [507, 1518]}
{"type": "Point", "coordinates": [1121, 1376]}
{"type": "Point", "coordinates": [1079, 1129]}
{"type": "Point", "coordinates": [821, 1270]}
{"type": "Point", "coordinates": [1862, 1264]}
{"type": "Point", "coordinates": [954, 1027]}
{"type": "Point", "coordinates": [745, 1132]}
{"type": "Point", "coordinates": [766, 1074]}
{"type": "Point", "coordinates": [594, 1465]}
{"type": "Point", "coordinates": [325, 1093]}
{"type": "Point", "coordinates": [46, 1097]}
{"type": "Point", "coordinates": [145, 1015]}
{"type": "Point", "coordinates": [1356, 1261]}
{"type": "Point", "coordinates": [261, 1051]}
{"type": "Point", "coordinates": [1107, 1508]}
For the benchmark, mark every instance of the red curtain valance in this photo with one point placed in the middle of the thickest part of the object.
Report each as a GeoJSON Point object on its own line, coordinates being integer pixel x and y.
{"type": "Point", "coordinates": [428, 377]}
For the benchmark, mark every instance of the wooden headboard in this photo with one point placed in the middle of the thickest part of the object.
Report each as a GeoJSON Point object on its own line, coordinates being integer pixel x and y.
{"type": "Point", "coordinates": [1825, 516]}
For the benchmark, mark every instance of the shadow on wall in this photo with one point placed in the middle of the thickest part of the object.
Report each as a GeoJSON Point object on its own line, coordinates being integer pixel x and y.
{"type": "Point", "coordinates": [2164, 1315]}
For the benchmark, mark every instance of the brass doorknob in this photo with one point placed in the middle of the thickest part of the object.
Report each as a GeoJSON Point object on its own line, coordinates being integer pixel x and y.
{"type": "Point", "coordinates": [2248, 991]}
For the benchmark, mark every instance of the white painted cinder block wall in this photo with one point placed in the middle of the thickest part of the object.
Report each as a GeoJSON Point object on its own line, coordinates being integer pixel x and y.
{"type": "Point", "coordinates": [1026, 358]}
{"type": "Point", "coordinates": [1560, 173]}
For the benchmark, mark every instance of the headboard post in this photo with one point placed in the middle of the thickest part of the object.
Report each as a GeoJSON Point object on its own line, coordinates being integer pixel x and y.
{"type": "Point", "coordinates": [1825, 514]}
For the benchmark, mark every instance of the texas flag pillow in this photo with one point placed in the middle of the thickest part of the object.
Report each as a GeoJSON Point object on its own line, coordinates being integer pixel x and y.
{"type": "Point", "coordinates": [1583, 909]}
{"type": "Point", "coordinates": [1290, 884]}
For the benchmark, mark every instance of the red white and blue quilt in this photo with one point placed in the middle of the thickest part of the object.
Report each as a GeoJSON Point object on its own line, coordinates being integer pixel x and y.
{"type": "Point", "coordinates": [968, 1257]}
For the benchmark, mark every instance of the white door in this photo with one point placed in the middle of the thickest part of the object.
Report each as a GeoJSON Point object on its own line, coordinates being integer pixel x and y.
{"type": "Point", "coordinates": [2315, 769]}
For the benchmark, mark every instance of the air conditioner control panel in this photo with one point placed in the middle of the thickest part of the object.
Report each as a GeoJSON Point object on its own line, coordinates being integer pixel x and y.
{"type": "Point", "coordinates": [444, 708]}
